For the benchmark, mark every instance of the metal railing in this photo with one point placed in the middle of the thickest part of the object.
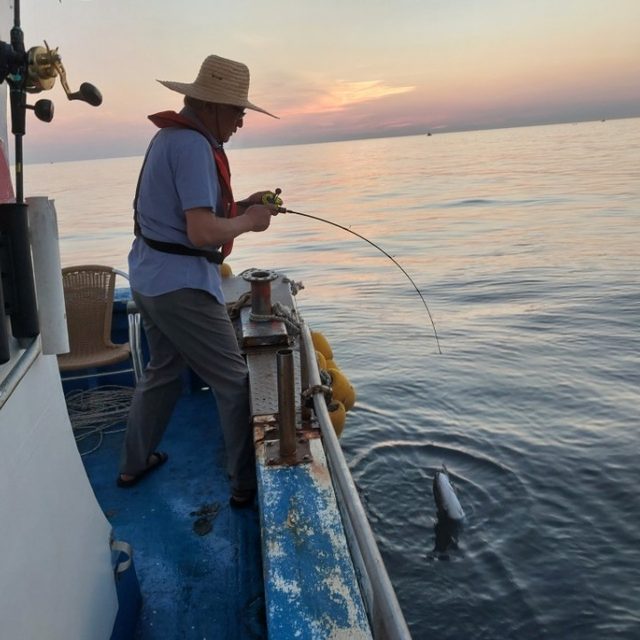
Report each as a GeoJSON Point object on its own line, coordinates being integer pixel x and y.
{"type": "Point", "coordinates": [385, 616]}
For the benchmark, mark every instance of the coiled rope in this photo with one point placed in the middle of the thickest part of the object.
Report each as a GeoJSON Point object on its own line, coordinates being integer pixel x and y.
{"type": "Point", "coordinates": [97, 412]}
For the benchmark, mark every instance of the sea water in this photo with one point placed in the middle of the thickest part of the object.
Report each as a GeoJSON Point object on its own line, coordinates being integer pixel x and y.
{"type": "Point", "coordinates": [526, 246]}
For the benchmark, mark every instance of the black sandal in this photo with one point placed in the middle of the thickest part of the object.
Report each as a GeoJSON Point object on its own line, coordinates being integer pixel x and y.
{"type": "Point", "coordinates": [155, 460]}
{"type": "Point", "coordinates": [243, 500]}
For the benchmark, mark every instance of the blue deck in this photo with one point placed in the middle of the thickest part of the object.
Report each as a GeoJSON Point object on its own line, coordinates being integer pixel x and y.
{"type": "Point", "coordinates": [193, 585]}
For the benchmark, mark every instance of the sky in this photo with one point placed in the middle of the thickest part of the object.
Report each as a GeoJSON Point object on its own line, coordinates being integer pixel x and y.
{"type": "Point", "coordinates": [336, 69]}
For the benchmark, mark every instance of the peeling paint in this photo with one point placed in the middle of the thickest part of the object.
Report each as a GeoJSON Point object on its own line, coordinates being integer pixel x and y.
{"type": "Point", "coordinates": [289, 587]}
{"type": "Point", "coordinates": [274, 548]}
{"type": "Point", "coordinates": [310, 582]}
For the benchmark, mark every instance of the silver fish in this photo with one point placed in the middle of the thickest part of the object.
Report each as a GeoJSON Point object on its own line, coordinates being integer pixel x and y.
{"type": "Point", "coordinates": [446, 497]}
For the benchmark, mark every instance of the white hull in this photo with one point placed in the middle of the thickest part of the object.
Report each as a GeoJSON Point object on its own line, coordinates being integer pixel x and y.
{"type": "Point", "coordinates": [57, 577]}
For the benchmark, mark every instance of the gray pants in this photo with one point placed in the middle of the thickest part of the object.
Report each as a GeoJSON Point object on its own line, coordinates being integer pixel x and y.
{"type": "Point", "coordinates": [189, 327]}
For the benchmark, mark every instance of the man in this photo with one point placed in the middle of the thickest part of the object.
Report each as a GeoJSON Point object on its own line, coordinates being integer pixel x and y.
{"type": "Point", "coordinates": [185, 222]}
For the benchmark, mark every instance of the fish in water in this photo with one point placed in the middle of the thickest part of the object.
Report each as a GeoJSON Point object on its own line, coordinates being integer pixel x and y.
{"type": "Point", "coordinates": [446, 497]}
{"type": "Point", "coordinates": [450, 514]}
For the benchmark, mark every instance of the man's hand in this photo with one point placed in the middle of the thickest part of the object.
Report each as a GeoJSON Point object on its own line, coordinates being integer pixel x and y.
{"type": "Point", "coordinates": [260, 215]}
{"type": "Point", "coordinates": [255, 198]}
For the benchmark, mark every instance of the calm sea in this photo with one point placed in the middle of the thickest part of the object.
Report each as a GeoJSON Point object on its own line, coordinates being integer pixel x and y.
{"type": "Point", "coordinates": [526, 245]}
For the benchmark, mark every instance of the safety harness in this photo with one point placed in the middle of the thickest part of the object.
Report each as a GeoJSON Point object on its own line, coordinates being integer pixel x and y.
{"type": "Point", "coordinates": [172, 119]}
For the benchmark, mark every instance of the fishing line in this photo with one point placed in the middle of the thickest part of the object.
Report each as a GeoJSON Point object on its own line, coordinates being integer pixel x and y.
{"type": "Point", "coordinates": [373, 244]}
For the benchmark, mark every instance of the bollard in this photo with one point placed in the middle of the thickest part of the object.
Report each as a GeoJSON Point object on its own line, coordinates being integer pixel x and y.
{"type": "Point", "coordinates": [260, 280]}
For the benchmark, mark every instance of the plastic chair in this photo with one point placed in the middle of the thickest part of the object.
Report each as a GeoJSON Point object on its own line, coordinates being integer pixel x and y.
{"type": "Point", "coordinates": [89, 295]}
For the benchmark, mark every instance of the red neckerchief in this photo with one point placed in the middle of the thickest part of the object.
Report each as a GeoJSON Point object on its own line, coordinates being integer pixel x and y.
{"type": "Point", "coordinates": [173, 119]}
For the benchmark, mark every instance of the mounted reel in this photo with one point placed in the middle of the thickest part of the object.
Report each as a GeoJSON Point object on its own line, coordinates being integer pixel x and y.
{"type": "Point", "coordinates": [44, 65]}
{"type": "Point", "coordinates": [35, 71]}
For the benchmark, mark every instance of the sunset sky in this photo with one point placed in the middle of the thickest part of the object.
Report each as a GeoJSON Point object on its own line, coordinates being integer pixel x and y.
{"type": "Point", "coordinates": [337, 69]}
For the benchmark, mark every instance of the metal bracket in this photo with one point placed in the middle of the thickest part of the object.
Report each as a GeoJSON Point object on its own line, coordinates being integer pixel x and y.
{"type": "Point", "coordinates": [302, 453]}
{"type": "Point", "coordinates": [260, 334]}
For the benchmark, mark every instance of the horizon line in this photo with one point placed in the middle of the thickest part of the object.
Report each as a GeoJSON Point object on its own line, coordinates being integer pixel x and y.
{"type": "Point", "coordinates": [354, 138]}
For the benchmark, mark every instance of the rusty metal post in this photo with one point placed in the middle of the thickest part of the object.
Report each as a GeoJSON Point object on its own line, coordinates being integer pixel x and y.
{"type": "Point", "coordinates": [286, 403]}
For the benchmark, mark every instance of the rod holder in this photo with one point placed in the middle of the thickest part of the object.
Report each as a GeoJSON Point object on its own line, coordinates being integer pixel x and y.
{"type": "Point", "coordinates": [286, 403]}
{"type": "Point", "coordinates": [17, 270]}
{"type": "Point", "coordinates": [260, 280]}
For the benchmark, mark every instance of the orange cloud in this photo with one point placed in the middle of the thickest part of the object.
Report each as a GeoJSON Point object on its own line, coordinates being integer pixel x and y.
{"type": "Point", "coordinates": [345, 94]}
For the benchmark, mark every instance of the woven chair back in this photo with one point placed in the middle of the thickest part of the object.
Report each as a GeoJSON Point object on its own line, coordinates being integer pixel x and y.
{"type": "Point", "coordinates": [88, 294]}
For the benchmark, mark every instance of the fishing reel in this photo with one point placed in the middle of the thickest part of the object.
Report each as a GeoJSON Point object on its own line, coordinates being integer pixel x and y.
{"type": "Point", "coordinates": [274, 198]}
{"type": "Point", "coordinates": [44, 65]}
{"type": "Point", "coordinates": [34, 71]}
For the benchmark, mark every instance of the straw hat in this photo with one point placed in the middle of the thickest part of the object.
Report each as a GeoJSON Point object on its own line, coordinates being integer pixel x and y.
{"type": "Point", "coordinates": [220, 81]}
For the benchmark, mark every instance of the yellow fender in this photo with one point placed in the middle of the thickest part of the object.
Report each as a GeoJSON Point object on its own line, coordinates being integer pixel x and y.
{"type": "Point", "coordinates": [338, 415]}
{"type": "Point", "coordinates": [321, 344]}
{"type": "Point", "coordinates": [342, 389]}
{"type": "Point", "coordinates": [225, 270]}
{"type": "Point", "coordinates": [321, 360]}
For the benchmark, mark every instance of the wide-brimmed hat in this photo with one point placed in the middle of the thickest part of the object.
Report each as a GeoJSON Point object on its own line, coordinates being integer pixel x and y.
{"type": "Point", "coordinates": [220, 81]}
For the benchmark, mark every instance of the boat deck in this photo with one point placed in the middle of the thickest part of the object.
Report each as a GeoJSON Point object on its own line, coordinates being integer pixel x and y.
{"type": "Point", "coordinates": [198, 561]}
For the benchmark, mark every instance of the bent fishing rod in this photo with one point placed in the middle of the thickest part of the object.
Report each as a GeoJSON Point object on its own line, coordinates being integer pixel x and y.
{"type": "Point", "coordinates": [274, 199]}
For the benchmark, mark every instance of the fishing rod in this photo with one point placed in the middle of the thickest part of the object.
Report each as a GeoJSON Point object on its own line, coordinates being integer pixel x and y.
{"type": "Point", "coordinates": [273, 198]}
{"type": "Point", "coordinates": [25, 71]}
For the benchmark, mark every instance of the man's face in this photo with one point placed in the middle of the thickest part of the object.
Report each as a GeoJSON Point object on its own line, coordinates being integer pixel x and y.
{"type": "Point", "coordinates": [223, 120]}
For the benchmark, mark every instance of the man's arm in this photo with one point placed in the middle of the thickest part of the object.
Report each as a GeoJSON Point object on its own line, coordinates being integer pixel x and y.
{"type": "Point", "coordinates": [205, 229]}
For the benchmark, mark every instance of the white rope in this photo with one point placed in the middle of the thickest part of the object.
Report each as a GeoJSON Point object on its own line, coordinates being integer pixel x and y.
{"type": "Point", "coordinates": [95, 412]}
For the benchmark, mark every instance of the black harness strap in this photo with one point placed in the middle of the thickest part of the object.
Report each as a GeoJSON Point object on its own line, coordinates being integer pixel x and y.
{"type": "Point", "coordinates": [215, 257]}
{"type": "Point", "coordinates": [180, 249]}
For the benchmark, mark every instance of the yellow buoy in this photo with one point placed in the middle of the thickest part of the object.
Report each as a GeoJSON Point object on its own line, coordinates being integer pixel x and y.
{"type": "Point", "coordinates": [320, 359]}
{"type": "Point", "coordinates": [225, 270]}
{"type": "Point", "coordinates": [331, 364]}
{"type": "Point", "coordinates": [350, 398]}
{"type": "Point", "coordinates": [342, 389]}
{"type": "Point", "coordinates": [321, 344]}
{"type": "Point", "coordinates": [338, 415]}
